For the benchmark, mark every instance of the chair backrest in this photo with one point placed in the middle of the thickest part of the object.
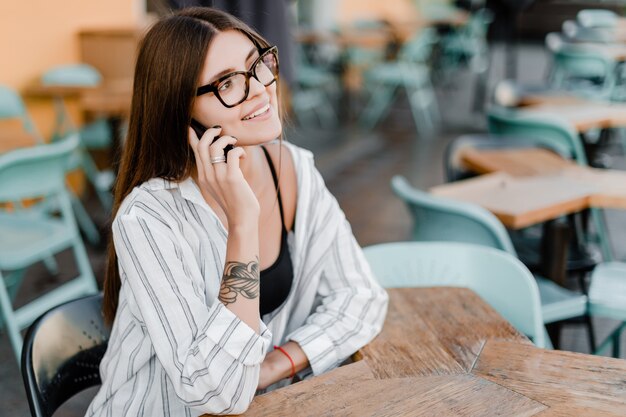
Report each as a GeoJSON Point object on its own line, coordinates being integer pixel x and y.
{"type": "Point", "coordinates": [440, 219]}
{"type": "Point", "coordinates": [419, 47]}
{"type": "Point", "coordinates": [62, 353]}
{"type": "Point", "coordinates": [452, 164]}
{"type": "Point", "coordinates": [36, 171]}
{"type": "Point", "coordinates": [72, 74]}
{"type": "Point", "coordinates": [548, 130]}
{"type": "Point", "coordinates": [577, 33]}
{"type": "Point", "coordinates": [497, 277]}
{"type": "Point", "coordinates": [12, 107]}
{"type": "Point", "coordinates": [573, 61]}
{"type": "Point", "coordinates": [597, 18]}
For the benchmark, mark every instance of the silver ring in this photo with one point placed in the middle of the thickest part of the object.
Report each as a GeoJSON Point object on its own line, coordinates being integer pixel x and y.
{"type": "Point", "coordinates": [218, 159]}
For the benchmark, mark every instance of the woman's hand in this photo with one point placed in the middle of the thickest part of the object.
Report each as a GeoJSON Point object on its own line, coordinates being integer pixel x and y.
{"type": "Point", "coordinates": [224, 181]}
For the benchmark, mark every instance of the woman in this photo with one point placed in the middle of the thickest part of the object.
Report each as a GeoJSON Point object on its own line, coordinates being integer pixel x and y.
{"type": "Point", "coordinates": [217, 258]}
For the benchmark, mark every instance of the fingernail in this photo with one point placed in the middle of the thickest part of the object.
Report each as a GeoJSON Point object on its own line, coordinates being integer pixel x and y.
{"type": "Point", "coordinates": [216, 127]}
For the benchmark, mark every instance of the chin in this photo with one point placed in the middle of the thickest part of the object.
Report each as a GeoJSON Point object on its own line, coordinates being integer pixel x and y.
{"type": "Point", "coordinates": [263, 133]}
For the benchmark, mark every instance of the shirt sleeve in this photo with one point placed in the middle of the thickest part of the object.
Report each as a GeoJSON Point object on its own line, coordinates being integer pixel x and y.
{"type": "Point", "coordinates": [210, 356]}
{"type": "Point", "coordinates": [352, 305]}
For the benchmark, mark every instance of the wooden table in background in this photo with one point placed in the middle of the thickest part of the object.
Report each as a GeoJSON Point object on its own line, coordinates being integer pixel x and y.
{"type": "Point", "coordinates": [523, 187]}
{"type": "Point", "coordinates": [583, 115]}
{"type": "Point", "coordinates": [608, 186]}
{"type": "Point", "coordinates": [111, 99]}
{"type": "Point", "coordinates": [445, 352]}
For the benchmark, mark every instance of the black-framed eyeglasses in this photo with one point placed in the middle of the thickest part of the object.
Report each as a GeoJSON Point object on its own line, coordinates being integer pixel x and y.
{"type": "Point", "coordinates": [233, 88]}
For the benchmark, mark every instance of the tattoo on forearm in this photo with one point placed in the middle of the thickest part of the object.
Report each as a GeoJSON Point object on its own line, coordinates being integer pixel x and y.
{"type": "Point", "coordinates": [239, 278]}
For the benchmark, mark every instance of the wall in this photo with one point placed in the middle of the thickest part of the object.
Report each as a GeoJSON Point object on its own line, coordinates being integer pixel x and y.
{"type": "Point", "coordinates": [38, 34]}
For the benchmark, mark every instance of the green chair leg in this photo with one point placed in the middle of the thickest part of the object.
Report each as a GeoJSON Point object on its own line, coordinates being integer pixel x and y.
{"type": "Point", "coordinates": [612, 340]}
{"type": "Point", "coordinates": [85, 224]}
{"type": "Point", "coordinates": [9, 320]}
{"type": "Point", "coordinates": [377, 106]}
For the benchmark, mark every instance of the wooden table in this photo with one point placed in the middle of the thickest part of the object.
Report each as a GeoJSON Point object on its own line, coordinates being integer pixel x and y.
{"type": "Point", "coordinates": [111, 99]}
{"type": "Point", "coordinates": [608, 186]}
{"type": "Point", "coordinates": [445, 352]}
{"type": "Point", "coordinates": [523, 187]}
{"type": "Point", "coordinates": [582, 115]}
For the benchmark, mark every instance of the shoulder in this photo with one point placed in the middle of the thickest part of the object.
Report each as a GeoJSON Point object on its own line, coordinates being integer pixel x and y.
{"type": "Point", "coordinates": [149, 200]}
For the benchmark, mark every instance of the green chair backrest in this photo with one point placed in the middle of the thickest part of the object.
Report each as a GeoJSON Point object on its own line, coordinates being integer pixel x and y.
{"type": "Point", "coordinates": [573, 61]}
{"type": "Point", "coordinates": [36, 171]}
{"type": "Point", "coordinates": [72, 74]}
{"type": "Point", "coordinates": [497, 277]}
{"type": "Point", "coordinates": [554, 132]}
{"type": "Point", "coordinates": [597, 18]}
{"type": "Point", "coordinates": [12, 107]}
{"type": "Point", "coordinates": [419, 47]}
{"type": "Point", "coordinates": [440, 219]}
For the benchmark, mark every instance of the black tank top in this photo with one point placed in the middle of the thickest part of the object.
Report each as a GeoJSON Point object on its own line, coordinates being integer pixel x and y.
{"type": "Point", "coordinates": [276, 279]}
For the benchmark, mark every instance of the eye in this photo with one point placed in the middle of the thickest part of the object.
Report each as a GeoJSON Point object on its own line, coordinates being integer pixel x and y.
{"type": "Point", "coordinates": [225, 85]}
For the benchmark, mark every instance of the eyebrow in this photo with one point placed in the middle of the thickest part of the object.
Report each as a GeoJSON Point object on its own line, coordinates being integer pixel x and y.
{"type": "Point", "coordinates": [229, 70]}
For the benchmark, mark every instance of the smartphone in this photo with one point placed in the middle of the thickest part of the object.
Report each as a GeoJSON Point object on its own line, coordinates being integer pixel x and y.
{"type": "Point", "coordinates": [200, 129]}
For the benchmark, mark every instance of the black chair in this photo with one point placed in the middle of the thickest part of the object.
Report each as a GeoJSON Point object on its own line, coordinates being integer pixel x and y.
{"type": "Point", "coordinates": [62, 353]}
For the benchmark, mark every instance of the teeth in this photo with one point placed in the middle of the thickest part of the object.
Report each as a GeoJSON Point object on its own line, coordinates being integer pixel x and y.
{"type": "Point", "coordinates": [258, 112]}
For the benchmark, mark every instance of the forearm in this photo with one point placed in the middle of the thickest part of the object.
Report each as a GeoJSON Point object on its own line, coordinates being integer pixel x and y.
{"type": "Point", "coordinates": [277, 366]}
{"type": "Point", "coordinates": [239, 290]}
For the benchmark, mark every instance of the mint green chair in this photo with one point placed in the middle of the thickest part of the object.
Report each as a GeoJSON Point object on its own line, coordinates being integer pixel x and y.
{"type": "Point", "coordinates": [29, 237]}
{"type": "Point", "coordinates": [467, 45]}
{"type": "Point", "coordinates": [440, 219]}
{"type": "Point", "coordinates": [315, 94]}
{"type": "Point", "coordinates": [95, 135]}
{"type": "Point", "coordinates": [597, 18]}
{"type": "Point", "coordinates": [577, 33]}
{"type": "Point", "coordinates": [555, 133]}
{"type": "Point", "coordinates": [12, 107]}
{"type": "Point", "coordinates": [580, 68]}
{"type": "Point", "coordinates": [411, 73]}
{"type": "Point", "coordinates": [552, 131]}
{"type": "Point", "coordinates": [607, 298]}
{"type": "Point", "coordinates": [497, 277]}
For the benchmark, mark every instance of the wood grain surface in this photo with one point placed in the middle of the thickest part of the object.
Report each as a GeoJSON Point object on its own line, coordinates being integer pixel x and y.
{"type": "Point", "coordinates": [581, 116]}
{"type": "Point", "coordinates": [445, 352]}
{"type": "Point", "coordinates": [552, 185]}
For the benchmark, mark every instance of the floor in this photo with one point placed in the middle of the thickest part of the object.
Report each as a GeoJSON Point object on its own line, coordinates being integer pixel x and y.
{"type": "Point", "coordinates": [357, 167]}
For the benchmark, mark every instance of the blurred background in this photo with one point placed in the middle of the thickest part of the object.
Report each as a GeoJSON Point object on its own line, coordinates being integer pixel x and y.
{"type": "Point", "coordinates": [373, 88]}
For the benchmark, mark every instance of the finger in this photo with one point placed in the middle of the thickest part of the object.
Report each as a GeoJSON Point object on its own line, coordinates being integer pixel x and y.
{"type": "Point", "coordinates": [234, 157]}
{"type": "Point", "coordinates": [193, 138]}
{"type": "Point", "coordinates": [218, 145]}
{"type": "Point", "coordinates": [194, 143]}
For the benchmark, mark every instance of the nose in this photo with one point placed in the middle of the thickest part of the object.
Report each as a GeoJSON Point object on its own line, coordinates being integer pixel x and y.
{"type": "Point", "coordinates": [256, 87]}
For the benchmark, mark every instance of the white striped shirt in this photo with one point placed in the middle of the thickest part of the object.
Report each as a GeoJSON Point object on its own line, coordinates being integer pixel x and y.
{"type": "Point", "coordinates": [175, 350]}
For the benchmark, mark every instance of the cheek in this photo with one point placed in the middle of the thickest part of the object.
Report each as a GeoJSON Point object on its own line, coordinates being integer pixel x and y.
{"type": "Point", "coordinates": [214, 113]}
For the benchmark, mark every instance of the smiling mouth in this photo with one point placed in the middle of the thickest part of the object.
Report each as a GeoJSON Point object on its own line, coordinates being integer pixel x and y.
{"type": "Point", "coordinates": [259, 112]}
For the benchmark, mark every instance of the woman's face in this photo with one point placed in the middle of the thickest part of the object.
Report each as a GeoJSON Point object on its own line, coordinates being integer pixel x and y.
{"type": "Point", "coordinates": [255, 120]}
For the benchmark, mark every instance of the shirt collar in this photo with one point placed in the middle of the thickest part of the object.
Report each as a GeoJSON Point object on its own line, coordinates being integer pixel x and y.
{"type": "Point", "coordinates": [188, 188]}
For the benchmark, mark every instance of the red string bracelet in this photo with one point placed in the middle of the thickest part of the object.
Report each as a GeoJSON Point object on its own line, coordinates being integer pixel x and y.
{"type": "Point", "coordinates": [293, 365]}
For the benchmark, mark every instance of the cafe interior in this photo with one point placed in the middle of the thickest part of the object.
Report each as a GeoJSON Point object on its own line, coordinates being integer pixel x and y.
{"type": "Point", "coordinates": [477, 148]}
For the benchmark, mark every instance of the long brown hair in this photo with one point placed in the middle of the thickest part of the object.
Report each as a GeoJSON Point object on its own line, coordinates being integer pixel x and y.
{"type": "Point", "coordinates": [169, 63]}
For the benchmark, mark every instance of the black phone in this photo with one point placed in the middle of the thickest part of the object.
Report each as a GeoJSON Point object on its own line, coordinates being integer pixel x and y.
{"type": "Point", "coordinates": [199, 128]}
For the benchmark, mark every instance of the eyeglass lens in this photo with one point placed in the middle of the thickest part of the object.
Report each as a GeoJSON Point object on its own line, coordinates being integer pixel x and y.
{"type": "Point", "coordinates": [234, 89]}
